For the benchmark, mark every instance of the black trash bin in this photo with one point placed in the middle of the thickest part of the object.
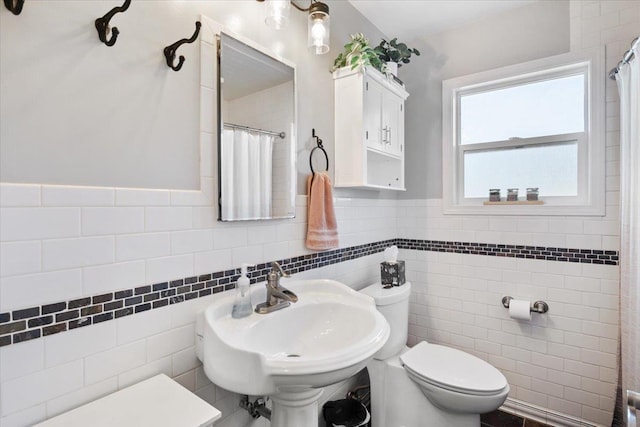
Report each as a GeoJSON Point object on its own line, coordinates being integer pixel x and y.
{"type": "Point", "coordinates": [345, 413]}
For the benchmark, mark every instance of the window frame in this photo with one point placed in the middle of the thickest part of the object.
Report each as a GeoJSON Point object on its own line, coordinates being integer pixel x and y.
{"type": "Point", "coordinates": [590, 200]}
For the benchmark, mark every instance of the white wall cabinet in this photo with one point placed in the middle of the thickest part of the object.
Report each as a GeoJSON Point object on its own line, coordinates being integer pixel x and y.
{"type": "Point", "coordinates": [369, 130]}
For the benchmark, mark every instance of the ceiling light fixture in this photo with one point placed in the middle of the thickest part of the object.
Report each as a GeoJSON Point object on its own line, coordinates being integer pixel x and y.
{"type": "Point", "coordinates": [277, 13]}
{"type": "Point", "coordinates": [318, 25]}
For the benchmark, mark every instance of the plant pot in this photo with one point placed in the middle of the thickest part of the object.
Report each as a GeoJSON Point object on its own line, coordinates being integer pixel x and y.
{"type": "Point", "coordinates": [393, 68]}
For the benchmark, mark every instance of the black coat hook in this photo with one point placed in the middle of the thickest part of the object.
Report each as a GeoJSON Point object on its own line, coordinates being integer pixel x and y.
{"type": "Point", "coordinates": [102, 24]}
{"type": "Point", "coordinates": [170, 51]}
{"type": "Point", "coordinates": [15, 6]}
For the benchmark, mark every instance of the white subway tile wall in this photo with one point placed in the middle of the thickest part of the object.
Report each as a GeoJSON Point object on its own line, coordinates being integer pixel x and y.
{"type": "Point", "coordinates": [548, 361]}
{"type": "Point", "coordinates": [565, 360]}
{"type": "Point", "coordinates": [46, 265]}
{"type": "Point", "coordinates": [37, 289]}
{"type": "Point", "coordinates": [456, 301]}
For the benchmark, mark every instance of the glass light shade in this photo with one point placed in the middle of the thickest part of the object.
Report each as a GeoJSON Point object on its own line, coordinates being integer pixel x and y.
{"type": "Point", "coordinates": [319, 28]}
{"type": "Point", "coordinates": [277, 13]}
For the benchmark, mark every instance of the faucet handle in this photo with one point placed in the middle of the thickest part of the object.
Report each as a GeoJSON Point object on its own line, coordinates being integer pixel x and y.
{"type": "Point", "coordinates": [276, 267]}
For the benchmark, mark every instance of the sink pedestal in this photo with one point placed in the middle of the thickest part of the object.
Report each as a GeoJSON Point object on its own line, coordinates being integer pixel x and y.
{"type": "Point", "coordinates": [295, 409]}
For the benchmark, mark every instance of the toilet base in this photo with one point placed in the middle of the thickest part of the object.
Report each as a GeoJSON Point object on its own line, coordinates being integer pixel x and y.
{"type": "Point", "coordinates": [397, 401]}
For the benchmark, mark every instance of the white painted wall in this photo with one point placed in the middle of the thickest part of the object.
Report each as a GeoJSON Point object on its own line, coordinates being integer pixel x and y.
{"type": "Point", "coordinates": [518, 35]}
{"type": "Point", "coordinates": [127, 118]}
{"type": "Point", "coordinates": [115, 108]}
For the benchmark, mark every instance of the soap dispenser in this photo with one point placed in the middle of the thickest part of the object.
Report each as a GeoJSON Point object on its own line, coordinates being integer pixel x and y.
{"type": "Point", "coordinates": [242, 305]}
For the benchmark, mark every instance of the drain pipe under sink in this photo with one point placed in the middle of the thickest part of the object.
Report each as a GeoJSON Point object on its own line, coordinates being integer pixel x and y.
{"type": "Point", "coordinates": [257, 408]}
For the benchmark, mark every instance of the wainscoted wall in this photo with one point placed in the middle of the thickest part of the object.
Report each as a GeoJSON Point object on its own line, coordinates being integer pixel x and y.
{"type": "Point", "coordinates": [562, 362]}
{"type": "Point", "coordinates": [49, 255]}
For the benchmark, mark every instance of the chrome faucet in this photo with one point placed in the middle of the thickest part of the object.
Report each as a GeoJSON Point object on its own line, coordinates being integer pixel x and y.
{"type": "Point", "coordinates": [278, 296]}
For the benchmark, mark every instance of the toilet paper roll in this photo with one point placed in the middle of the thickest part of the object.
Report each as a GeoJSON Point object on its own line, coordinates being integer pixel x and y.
{"type": "Point", "coordinates": [519, 309]}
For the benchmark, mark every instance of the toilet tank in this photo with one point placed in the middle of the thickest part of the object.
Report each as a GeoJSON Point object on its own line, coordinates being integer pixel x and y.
{"type": "Point", "coordinates": [393, 303]}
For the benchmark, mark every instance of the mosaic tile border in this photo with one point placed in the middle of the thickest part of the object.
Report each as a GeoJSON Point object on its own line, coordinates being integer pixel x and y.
{"type": "Point", "coordinates": [36, 322]}
{"type": "Point", "coordinates": [585, 256]}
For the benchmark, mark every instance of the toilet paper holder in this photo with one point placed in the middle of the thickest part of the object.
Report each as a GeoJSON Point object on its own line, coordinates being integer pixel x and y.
{"type": "Point", "coordinates": [536, 307]}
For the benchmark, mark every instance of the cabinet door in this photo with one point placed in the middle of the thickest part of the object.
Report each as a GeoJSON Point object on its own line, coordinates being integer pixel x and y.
{"type": "Point", "coordinates": [373, 133]}
{"type": "Point", "coordinates": [392, 123]}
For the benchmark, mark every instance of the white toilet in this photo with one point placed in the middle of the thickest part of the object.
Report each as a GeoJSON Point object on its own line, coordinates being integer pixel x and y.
{"type": "Point", "coordinates": [427, 385]}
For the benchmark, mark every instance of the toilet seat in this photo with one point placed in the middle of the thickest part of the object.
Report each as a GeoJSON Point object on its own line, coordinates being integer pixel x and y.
{"type": "Point", "coordinates": [453, 370]}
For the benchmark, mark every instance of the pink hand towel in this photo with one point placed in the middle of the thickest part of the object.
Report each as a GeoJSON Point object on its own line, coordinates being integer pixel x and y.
{"type": "Point", "coordinates": [322, 228]}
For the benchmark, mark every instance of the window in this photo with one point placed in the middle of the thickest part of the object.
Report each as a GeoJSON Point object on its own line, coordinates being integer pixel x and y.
{"type": "Point", "coordinates": [536, 124]}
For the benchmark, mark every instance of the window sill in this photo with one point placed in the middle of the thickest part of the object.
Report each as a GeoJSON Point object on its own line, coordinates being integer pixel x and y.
{"type": "Point", "coordinates": [505, 209]}
{"type": "Point", "coordinates": [514, 202]}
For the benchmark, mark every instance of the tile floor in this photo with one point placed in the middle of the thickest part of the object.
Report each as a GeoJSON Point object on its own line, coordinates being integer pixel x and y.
{"type": "Point", "coordinates": [504, 419]}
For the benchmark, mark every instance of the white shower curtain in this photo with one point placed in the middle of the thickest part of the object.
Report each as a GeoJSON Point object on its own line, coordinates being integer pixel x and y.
{"type": "Point", "coordinates": [628, 79]}
{"type": "Point", "coordinates": [246, 174]}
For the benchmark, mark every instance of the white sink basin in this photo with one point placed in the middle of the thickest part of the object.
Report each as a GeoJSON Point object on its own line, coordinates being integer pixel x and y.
{"type": "Point", "coordinates": [327, 336]}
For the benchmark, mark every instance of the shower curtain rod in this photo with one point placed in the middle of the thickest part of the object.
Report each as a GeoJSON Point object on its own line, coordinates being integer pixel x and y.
{"type": "Point", "coordinates": [625, 59]}
{"type": "Point", "coordinates": [268, 132]}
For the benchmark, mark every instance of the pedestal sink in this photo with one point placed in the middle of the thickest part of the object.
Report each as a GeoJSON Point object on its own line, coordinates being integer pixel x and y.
{"type": "Point", "coordinates": [290, 355]}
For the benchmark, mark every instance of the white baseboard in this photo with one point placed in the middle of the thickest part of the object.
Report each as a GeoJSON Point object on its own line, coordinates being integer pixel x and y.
{"type": "Point", "coordinates": [543, 415]}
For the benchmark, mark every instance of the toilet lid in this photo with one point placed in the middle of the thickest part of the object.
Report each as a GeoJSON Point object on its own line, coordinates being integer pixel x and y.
{"type": "Point", "coordinates": [453, 369]}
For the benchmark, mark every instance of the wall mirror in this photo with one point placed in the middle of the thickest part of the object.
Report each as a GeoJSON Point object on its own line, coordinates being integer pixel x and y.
{"type": "Point", "coordinates": [257, 123]}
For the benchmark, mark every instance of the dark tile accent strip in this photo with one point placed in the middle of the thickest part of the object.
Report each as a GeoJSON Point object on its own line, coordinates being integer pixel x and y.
{"type": "Point", "coordinates": [36, 322]}
{"type": "Point", "coordinates": [54, 329]}
{"type": "Point", "coordinates": [94, 309]}
{"type": "Point", "coordinates": [67, 315]}
{"type": "Point", "coordinates": [26, 335]}
{"type": "Point", "coordinates": [110, 306]}
{"type": "Point", "coordinates": [54, 308]}
{"type": "Point", "coordinates": [124, 294]}
{"type": "Point", "coordinates": [79, 323]}
{"type": "Point", "coordinates": [79, 302]}
{"type": "Point", "coordinates": [161, 303]}
{"type": "Point", "coordinates": [160, 286]}
{"type": "Point", "coordinates": [587, 256]}
{"type": "Point", "coordinates": [133, 301]}
{"type": "Point", "coordinates": [102, 298]}
{"type": "Point", "coordinates": [102, 317]}
{"type": "Point", "coordinates": [124, 312]}
{"type": "Point", "coordinates": [8, 328]}
{"type": "Point", "coordinates": [143, 290]}
{"type": "Point", "coordinates": [40, 321]}
{"type": "Point", "coordinates": [26, 313]}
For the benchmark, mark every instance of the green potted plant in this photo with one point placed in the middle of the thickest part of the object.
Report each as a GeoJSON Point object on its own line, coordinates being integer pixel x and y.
{"type": "Point", "coordinates": [394, 54]}
{"type": "Point", "coordinates": [358, 53]}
